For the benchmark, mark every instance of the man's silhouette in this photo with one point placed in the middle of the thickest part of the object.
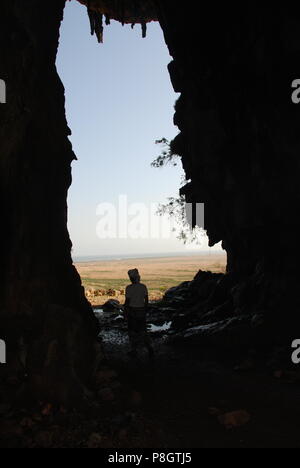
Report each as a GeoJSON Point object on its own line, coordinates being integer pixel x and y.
{"type": "Point", "coordinates": [136, 305]}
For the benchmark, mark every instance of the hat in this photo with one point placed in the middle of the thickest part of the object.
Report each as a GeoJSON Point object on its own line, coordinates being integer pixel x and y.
{"type": "Point", "coordinates": [134, 275]}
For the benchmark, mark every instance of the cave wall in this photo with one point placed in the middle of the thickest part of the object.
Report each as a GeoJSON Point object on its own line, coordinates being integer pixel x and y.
{"type": "Point", "coordinates": [44, 317]}
{"type": "Point", "coordinates": [239, 146]}
{"type": "Point", "coordinates": [239, 137]}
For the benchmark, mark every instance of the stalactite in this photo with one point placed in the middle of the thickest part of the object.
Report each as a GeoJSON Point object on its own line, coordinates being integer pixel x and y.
{"type": "Point", "coordinates": [96, 22]}
{"type": "Point", "coordinates": [91, 18]}
{"type": "Point", "coordinates": [99, 26]}
{"type": "Point", "coordinates": [136, 16]}
{"type": "Point", "coordinates": [144, 29]}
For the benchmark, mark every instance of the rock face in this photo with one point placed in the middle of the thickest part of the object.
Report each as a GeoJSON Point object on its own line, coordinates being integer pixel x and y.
{"type": "Point", "coordinates": [239, 140]}
{"type": "Point", "coordinates": [127, 11]}
{"type": "Point", "coordinates": [239, 144]}
{"type": "Point", "coordinates": [208, 311]}
{"type": "Point", "coordinates": [40, 290]}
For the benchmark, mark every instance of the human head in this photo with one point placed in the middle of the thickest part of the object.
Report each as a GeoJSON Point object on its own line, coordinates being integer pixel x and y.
{"type": "Point", "coordinates": [134, 275]}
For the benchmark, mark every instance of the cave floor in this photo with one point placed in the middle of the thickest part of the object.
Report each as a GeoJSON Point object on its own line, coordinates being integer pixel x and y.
{"type": "Point", "coordinates": [186, 397]}
{"type": "Point", "coordinates": [186, 389]}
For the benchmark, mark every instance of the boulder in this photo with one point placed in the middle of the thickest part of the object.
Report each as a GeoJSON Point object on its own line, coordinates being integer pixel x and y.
{"type": "Point", "coordinates": [112, 305]}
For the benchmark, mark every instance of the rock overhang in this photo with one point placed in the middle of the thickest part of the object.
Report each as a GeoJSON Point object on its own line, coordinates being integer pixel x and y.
{"type": "Point", "coordinates": [125, 11]}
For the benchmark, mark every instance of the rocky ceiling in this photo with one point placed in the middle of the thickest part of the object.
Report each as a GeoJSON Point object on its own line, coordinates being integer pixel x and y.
{"type": "Point", "coordinates": [125, 11]}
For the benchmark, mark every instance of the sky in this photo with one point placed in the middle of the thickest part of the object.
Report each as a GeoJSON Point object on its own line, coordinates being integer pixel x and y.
{"type": "Point", "coordinates": [119, 101]}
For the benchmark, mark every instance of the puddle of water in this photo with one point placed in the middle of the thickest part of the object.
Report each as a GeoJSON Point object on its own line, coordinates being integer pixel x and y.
{"type": "Point", "coordinates": [98, 312]}
{"type": "Point", "coordinates": [155, 328]}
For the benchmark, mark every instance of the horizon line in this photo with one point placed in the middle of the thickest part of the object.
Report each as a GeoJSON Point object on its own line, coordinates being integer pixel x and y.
{"type": "Point", "coordinates": [116, 256]}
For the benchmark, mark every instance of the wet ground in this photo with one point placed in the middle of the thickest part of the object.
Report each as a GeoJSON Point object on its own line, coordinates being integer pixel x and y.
{"type": "Point", "coordinates": [189, 389]}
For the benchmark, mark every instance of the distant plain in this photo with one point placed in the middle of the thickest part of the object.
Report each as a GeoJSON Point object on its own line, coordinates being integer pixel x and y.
{"type": "Point", "coordinates": [159, 274]}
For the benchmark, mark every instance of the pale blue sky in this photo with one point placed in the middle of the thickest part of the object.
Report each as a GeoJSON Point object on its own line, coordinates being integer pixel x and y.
{"type": "Point", "coordinates": [119, 100]}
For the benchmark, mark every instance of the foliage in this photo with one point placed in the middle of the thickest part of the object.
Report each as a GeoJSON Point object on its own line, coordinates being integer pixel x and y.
{"type": "Point", "coordinates": [167, 156]}
{"type": "Point", "coordinates": [175, 208]}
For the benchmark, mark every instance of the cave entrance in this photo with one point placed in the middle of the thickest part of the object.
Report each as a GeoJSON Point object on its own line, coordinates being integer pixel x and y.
{"type": "Point", "coordinates": [119, 101]}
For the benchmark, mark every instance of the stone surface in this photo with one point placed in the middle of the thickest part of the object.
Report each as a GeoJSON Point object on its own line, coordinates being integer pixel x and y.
{"type": "Point", "coordinates": [239, 141]}
{"type": "Point", "coordinates": [45, 319]}
{"type": "Point", "coordinates": [239, 145]}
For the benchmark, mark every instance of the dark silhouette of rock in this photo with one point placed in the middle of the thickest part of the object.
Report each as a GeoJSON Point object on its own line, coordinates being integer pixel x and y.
{"type": "Point", "coordinates": [239, 145]}
{"type": "Point", "coordinates": [112, 305]}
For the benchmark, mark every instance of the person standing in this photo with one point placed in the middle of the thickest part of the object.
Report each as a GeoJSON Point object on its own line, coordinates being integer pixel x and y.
{"type": "Point", "coordinates": [136, 305]}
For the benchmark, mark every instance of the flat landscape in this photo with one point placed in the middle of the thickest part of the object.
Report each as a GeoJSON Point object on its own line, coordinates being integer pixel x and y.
{"type": "Point", "coordinates": [107, 279]}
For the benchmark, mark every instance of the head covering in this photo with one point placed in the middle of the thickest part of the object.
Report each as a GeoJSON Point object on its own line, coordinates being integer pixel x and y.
{"type": "Point", "coordinates": [134, 275]}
